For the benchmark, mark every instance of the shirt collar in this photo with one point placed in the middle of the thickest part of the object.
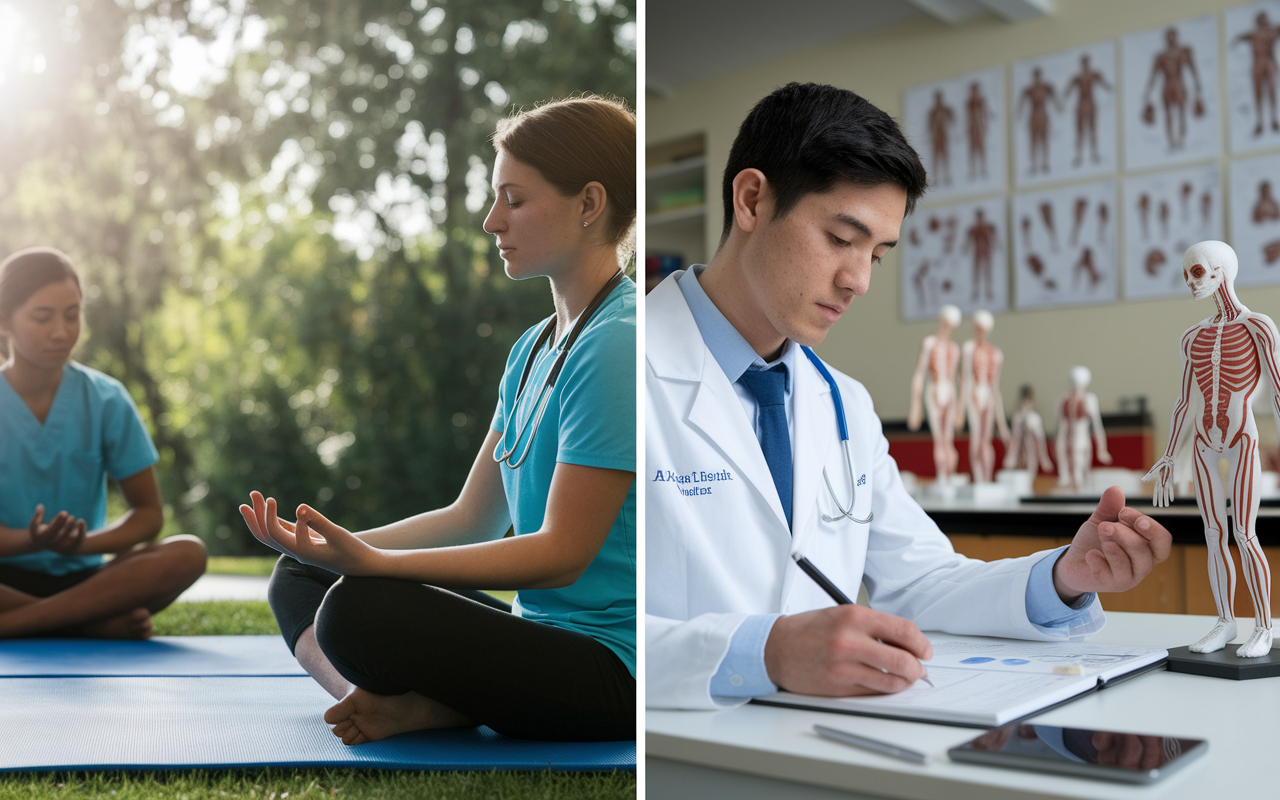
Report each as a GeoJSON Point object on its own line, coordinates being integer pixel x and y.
{"type": "Point", "coordinates": [729, 348]}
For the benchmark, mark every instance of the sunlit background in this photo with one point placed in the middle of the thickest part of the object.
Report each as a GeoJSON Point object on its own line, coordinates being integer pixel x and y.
{"type": "Point", "coordinates": [277, 208]}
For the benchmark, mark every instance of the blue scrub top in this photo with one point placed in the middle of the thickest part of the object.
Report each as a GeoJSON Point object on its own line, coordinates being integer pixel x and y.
{"type": "Point", "coordinates": [93, 430]}
{"type": "Point", "coordinates": [590, 420]}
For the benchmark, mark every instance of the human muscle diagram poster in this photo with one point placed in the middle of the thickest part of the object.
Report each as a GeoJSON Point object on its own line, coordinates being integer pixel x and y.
{"type": "Point", "coordinates": [1171, 94]}
{"type": "Point", "coordinates": [1252, 74]}
{"type": "Point", "coordinates": [1255, 219]}
{"type": "Point", "coordinates": [1065, 246]}
{"type": "Point", "coordinates": [958, 127]}
{"type": "Point", "coordinates": [955, 254]}
{"type": "Point", "coordinates": [1164, 214]}
{"type": "Point", "coordinates": [1064, 115]}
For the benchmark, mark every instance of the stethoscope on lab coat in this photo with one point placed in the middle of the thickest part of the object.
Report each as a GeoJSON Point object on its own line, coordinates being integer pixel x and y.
{"type": "Point", "coordinates": [508, 457]}
{"type": "Point", "coordinates": [844, 441]}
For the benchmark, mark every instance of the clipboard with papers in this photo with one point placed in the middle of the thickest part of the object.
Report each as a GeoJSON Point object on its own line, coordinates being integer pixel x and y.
{"type": "Point", "coordinates": [984, 682]}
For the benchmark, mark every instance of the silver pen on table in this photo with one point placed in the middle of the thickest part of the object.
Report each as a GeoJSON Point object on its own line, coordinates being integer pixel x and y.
{"type": "Point", "coordinates": [875, 745]}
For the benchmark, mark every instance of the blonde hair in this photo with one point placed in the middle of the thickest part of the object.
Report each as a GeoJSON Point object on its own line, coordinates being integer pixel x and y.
{"type": "Point", "coordinates": [577, 140]}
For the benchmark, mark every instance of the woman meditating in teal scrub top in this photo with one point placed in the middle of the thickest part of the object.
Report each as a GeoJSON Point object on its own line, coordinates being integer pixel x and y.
{"type": "Point", "coordinates": [383, 619]}
{"type": "Point", "coordinates": [64, 428]}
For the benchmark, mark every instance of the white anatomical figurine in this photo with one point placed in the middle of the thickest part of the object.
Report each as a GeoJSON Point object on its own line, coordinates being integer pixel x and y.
{"type": "Point", "coordinates": [1224, 358]}
{"type": "Point", "coordinates": [1026, 432]}
{"type": "Point", "coordinates": [981, 362]}
{"type": "Point", "coordinates": [1077, 413]}
{"type": "Point", "coordinates": [939, 357]}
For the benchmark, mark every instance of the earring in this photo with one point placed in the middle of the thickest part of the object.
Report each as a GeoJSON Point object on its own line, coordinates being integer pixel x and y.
{"type": "Point", "coordinates": [585, 224]}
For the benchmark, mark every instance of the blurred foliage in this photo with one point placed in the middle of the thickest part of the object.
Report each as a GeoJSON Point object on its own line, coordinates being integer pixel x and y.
{"type": "Point", "coordinates": [277, 207]}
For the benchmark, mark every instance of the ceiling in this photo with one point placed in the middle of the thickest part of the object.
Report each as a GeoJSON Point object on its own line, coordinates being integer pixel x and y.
{"type": "Point", "coordinates": [689, 41]}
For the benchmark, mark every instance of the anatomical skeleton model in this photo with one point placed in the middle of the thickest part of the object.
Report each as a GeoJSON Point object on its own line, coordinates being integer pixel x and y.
{"type": "Point", "coordinates": [1077, 412]}
{"type": "Point", "coordinates": [1027, 446]}
{"type": "Point", "coordinates": [939, 357]}
{"type": "Point", "coordinates": [980, 366]}
{"type": "Point", "coordinates": [1224, 357]}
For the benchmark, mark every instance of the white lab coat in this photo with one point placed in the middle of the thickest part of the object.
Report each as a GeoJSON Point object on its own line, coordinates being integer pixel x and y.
{"type": "Point", "coordinates": [717, 545]}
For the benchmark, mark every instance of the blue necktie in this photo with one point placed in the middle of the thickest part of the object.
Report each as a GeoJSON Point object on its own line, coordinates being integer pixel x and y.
{"type": "Point", "coordinates": [768, 387]}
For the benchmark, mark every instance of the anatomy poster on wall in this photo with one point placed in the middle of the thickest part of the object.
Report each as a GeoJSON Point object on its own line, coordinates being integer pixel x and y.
{"type": "Point", "coordinates": [1165, 213]}
{"type": "Point", "coordinates": [1065, 246]}
{"type": "Point", "coordinates": [957, 126]}
{"type": "Point", "coordinates": [955, 254]}
{"type": "Point", "coordinates": [1255, 219]}
{"type": "Point", "coordinates": [1171, 94]}
{"type": "Point", "coordinates": [1064, 115]}
{"type": "Point", "coordinates": [1252, 32]}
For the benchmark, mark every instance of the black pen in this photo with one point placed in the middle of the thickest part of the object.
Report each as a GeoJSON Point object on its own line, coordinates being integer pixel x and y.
{"type": "Point", "coordinates": [830, 588]}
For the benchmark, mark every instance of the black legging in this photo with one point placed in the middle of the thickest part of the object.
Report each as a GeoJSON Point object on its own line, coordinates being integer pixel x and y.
{"type": "Point", "coordinates": [463, 649]}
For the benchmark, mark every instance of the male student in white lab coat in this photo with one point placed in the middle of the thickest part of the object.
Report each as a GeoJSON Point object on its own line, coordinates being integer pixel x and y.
{"type": "Point", "coordinates": [745, 463]}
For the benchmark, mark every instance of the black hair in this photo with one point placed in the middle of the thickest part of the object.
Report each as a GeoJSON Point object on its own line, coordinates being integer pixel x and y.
{"type": "Point", "coordinates": [28, 271]}
{"type": "Point", "coordinates": [805, 137]}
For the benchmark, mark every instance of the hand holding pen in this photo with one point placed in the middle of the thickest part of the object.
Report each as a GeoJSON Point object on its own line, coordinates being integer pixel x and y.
{"type": "Point", "coordinates": [845, 651]}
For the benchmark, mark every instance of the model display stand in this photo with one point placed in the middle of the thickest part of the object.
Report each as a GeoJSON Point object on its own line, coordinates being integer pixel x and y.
{"type": "Point", "coordinates": [1223, 663]}
{"type": "Point", "coordinates": [1077, 414]}
{"type": "Point", "coordinates": [939, 358]}
{"type": "Point", "coordinates": [981, 362]}
{"type": "Point", "coordinates": [1225, 358]}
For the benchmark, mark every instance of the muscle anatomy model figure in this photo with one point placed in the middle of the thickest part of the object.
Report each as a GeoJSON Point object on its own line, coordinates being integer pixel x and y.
{"type": "Point", "coordinates": [1027, 446]}
{"type": "Point", "coordinates": [977, 115]}
{"type": "Point", "coordinates": [1225, 358]}
{"type": "Point", "coordinates": [1038, 94]}
{"type": "Point", "coordinates": [940, 118]}
{"type": "Point", "coordinates": [1262, 43]}
{"type": "Point", "coordinates": [1169, 64]}
{"type": "Point", "coordinates": [1077, 413]}
{"type": "Point", "coordinates": [939, 357]}
{"type": "Point", "coordinates": [981, 362]}
{"type": "Point", "coordinates": [981, 241]}
{"type": "Point", "coordinates": [1083, 83]}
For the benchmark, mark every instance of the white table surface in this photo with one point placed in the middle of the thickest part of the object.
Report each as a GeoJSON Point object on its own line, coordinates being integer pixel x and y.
{"type": "Point", "coordinates": [759, 746]}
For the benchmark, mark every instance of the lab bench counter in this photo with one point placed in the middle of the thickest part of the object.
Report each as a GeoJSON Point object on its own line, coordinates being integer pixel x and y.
{"type": "Point", "coordinates": [758, 751]}
{"type": "Point", "coordinates": [1179, 585]}
{"type": "Point", "coordinates": [1049, 517]}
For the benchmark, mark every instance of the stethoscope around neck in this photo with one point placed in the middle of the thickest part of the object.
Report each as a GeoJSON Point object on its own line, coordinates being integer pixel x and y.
{"type": "Point", "coordinates": [508, 457]}
{"type": "Point", "coordinates": [842, 426]}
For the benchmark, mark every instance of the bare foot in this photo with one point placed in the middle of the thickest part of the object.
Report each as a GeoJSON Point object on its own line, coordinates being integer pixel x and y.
{"type": "Point", "coordinates": [1224, 630]}
{"type": "Point", "coordinates": [363, 716]}
{"type": "Point", "coordinates": [135, 624]}
{"type": "Point", "coordinates": [1259, 644]}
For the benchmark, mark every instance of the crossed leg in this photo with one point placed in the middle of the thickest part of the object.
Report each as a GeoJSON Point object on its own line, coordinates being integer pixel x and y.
{"type": "Point", "coordinates": [115, 602]}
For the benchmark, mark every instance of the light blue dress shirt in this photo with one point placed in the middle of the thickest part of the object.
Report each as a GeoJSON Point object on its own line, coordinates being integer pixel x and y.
{"type": "Point", "coordinates": [742, 672]}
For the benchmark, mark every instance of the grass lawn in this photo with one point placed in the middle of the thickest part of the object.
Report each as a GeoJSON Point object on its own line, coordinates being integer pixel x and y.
{"type": "Point", "coordinates": [226, 617]}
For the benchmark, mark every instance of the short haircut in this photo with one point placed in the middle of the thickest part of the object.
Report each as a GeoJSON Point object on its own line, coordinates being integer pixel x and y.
{"type": "Point", "coordinates": [805, 137]}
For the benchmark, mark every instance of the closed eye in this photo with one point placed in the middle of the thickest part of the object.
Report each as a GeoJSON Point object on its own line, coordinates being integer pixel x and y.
{"type": "Point", "coordinates": [838, 242]}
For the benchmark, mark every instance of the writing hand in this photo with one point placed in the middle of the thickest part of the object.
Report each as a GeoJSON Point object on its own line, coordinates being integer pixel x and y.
{"type": "Point", "coordinates": [844, 651]}
{"type": "Point", "coordinates": [1113, 550]}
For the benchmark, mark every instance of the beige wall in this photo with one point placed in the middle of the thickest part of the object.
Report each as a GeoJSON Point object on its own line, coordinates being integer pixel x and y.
{"type": "Point", "coordinates": [1131, 347]}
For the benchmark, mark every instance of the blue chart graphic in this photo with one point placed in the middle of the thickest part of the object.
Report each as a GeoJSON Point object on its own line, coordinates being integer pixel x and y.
{"type": "Point", "coordinates": [977, 660]}
{"type": "Point", "coordinates": [1014, 661]}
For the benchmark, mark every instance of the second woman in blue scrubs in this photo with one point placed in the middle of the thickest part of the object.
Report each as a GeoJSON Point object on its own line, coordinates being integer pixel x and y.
{"type": "Point", "coordinates": [398, 639]}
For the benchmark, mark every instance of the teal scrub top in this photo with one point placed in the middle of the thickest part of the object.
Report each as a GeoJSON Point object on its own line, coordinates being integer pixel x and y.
{"type": "Point", "coordinates": [93, 430]}
{"type": "Point", "coordinates": [590, 420]}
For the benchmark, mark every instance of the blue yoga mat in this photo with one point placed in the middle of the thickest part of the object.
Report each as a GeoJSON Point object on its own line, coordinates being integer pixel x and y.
{"type": "Point", "coordinates": [163, 656]}
{"type": "Point", "coordinates": [212, 722]}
